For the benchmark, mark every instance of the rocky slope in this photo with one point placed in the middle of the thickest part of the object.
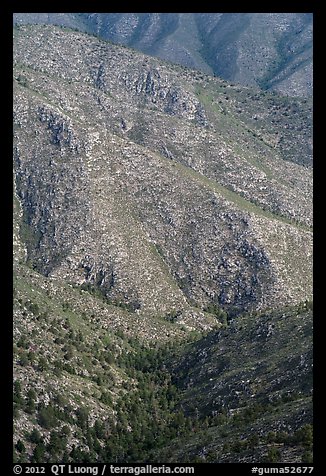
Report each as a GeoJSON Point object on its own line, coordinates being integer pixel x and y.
{"type": "Point", "coordinates": [132, 172]}
{"type": "Point", "coordinates": [248, 401]}
{"type": "Point", "coordinates": [269, 50]}
{"type": "Point", "coordinates": [87, 375]}
{"type": "Point", "coordinates": [151, 202]}
{"type": "Point", "coordinates": [93, 383]}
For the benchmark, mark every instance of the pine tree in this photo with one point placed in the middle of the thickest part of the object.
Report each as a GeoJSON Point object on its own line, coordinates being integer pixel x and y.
{"type": "Point", "coordinates": [20, 446]}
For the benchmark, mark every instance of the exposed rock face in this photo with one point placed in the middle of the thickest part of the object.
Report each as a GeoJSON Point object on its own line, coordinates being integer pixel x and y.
{"type": "Point", "coordinates": [162, 187]}
{"type": "Point", "coordinates": [270, 50]}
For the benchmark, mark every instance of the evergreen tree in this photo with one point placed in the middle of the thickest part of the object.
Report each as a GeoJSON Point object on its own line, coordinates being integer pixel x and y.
{"type": "Point", "coordinates": [47, 417]}
{"type": "Point", "coordinates": [20, 446]}
{"type": "Point", "coordinates": [35, 436]}
{"type": "Point", "coordinates": [17, 397]}
{"type": "Point", "coordinates": [82, 417]}
{"type": "Point", "coordinates": [39, 453]}
{"type": "Point", "coordinates": [30, 402]}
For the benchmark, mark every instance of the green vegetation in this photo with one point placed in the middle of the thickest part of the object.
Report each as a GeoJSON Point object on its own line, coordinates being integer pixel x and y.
{"type": "Point", "coordinates": [220, 314]}
{"type": "Point", "coordinates": [152, 227]}
{"type": "Point", "coordinates": [101, 293]}
{"type": "Point", "coordinates": [241, 202]}
{"type": "Point", "coordinates": [153, 409]}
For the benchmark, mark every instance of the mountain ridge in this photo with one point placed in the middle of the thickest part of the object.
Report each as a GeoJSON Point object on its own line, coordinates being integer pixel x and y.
{"type": "Point", "coordinates": [223, 44]}
{"type": "Point", "coordinates": [160, 216]}
{"type": "Point", "coordinates": [135, 136]}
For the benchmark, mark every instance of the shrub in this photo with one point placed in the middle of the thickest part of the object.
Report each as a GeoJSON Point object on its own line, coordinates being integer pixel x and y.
{"type": "Point", "coordinates": [35, 436]}
{"type": "Point", "coordinates": [42, 364]}
{"type": "Point", "coordinates": [30, 403]}
{"type": "Point", "coordinates": [23, 342]}
{"type": "Point", "coordinates": [38, 454]}
{"type": "Point", "coordinates": [65, 431]}
{"type": "Point", "coordinates": [82, 417]}
{"type": "Point", "coordinates": [60, 400]}
{"type": "Point", "coordinates": [307, 457]}
{"type": "Point", "coordinates": [57, 443]}
{"type": "Point", "coordinates": [47, 417]}
{"type": "Point", "coordinates": [33, 307]}
{"type": "Point", "coordinates": [24, 360]}
{"type": "Point", "coordinates": [273, 455]}
{"type": "Point", "coordinates": [106, 398]}
{"type": "Point", "coordinates": [20, 446]}
{"type": "Point", "coordinates": [17, 398]}
{"type": "Point", "coordinates": [99, 429]}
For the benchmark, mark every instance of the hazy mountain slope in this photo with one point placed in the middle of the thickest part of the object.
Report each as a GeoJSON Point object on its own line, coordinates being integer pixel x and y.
{"type": "Point", "coordinates": [270, 50]}
{"type": "Point", "coordinates": [111, 197]}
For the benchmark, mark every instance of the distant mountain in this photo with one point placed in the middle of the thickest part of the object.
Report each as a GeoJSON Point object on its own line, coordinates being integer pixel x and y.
{"type": "Point", "coordinates": [159, 213]}
{"type": "Point", "coordinates": [266, 50]}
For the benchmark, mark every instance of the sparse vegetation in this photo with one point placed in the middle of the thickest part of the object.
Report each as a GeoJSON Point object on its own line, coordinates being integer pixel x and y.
{"type": "Point", "coordinates": [153, 409]}
{"type": "Point", "coordinates": [162, 277]}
